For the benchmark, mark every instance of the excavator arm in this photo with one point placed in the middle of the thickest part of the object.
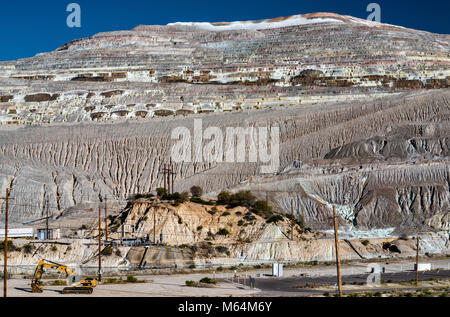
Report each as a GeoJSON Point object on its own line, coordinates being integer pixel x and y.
{"type": "Point", "coordinates": [36, 286]}
{"type": "Point", "coordinates": [83, 287]}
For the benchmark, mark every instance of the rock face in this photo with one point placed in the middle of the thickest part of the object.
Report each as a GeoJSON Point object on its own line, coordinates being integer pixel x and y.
{"type": "Point", "coordinates": [363, 111]}
{"type": "Point", "coordinates": [185, 68]}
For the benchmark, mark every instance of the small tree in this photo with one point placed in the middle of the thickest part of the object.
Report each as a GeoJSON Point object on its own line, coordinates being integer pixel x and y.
{"type": "Point", "coordinates": [161, 192]}
{"type": "Point", "coordinates": [223, 198]}
{"type": "Point", "coordinates": [196, 191]}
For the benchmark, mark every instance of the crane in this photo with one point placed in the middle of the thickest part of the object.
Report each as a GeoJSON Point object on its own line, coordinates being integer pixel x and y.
{"type": "Point", "coordinates": [84, 286]}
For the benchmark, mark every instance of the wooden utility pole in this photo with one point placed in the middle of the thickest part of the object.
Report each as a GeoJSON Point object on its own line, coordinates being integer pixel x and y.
{"type": "Point", "coordinates": [164, 176]}
{"type": "Point", "coordinates": [99, 243]}
{"type": "Point", "coordinates": [5, 245]}
{"type": "Point", "coordinates": [46, 223]}
{"type": "Point", "coordinates": [417, 261]}
{"type": "Point", "coordinates": [172, 173]}
{"type": "Point", "coordinates": [154, 225]}
{"type": "Point", "coordinates": [292, 219]}
{"type": "Point", "coordinates": [336, 244]}
{"type": "Point", "coordinates": [106, 218]}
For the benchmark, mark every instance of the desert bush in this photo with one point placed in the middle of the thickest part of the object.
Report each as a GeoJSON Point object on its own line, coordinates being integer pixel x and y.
{"type": "Point", "coordinates": [161, 192]}
{"type": "Point", "coordinates": [107, 250]}
{"type": "Point", "coordinates": [225, 213]}
{"type": "Point", "coordinates": [223, 198]}
{"type": "Point", "coordinates": [221, 249]}
{"type": "Point", "coordinates": [275, 219]}
{"type": "Point", "coordinates": [11, 246]}
{"type": "Point", "coordinates": [190, 283]}
{"type": "Point", "coordinates": [223, 232]}
{"type": "Point", "coordinates": [242, 198]}
{"type": "Point", "coordinates": [365, 242]}
{"type": "Point", "coordinates": [196, 191]}
{"type": "Point", "coordinates": [28, 248]}
{"type": "Point", "coordinates": [131, 279]}
{"type": "Point", "coordinates": [208, 280]}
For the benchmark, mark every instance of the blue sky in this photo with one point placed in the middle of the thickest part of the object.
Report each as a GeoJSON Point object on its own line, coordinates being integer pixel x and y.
{"type": "Point", "coordinates": [28, 27]}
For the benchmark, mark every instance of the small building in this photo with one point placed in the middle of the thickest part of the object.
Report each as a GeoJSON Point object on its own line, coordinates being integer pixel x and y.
{"type": "Point", "coordinates": [53, 234]}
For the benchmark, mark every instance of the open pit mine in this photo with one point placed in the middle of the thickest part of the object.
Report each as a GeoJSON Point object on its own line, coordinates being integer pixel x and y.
{"type": "Point", "coordinates": [362, 108]}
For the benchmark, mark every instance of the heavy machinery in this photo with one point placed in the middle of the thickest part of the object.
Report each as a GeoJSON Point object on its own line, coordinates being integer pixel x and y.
{"type": "Point", "coordinates": [84, 286]}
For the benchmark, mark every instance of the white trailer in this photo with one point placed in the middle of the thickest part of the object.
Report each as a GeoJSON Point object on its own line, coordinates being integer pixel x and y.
{"type": "Point", "coordinates": [18, 233]}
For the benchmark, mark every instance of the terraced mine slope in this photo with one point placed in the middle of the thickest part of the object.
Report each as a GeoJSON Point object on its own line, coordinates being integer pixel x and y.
{"type": "Point", "coordinates": [363, 111]}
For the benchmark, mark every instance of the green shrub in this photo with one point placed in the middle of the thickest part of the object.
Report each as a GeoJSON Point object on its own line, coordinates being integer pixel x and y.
{"type": "Point", "coordinates": [223, 198]}
{"type": "Point", "coordinates": [262, 208]}
{"type": "Point", "coordinates": [242, 198]}
{"type": "Point", "coordinates": [131, 279]}
{"type": "Point", "coordinates": [207, 280]}
{"type": "Point", "coordinates": [83, 227]}
{"type": "Point", "coordinates": [11, 246]}
{"type": "Point", "coordinates": [147, 195]}
{"type": "Point", "coordinates": [275, 219]}
{"type": "Point", "coordinates": [161, 192]}
{"type": "Point", "coordinates": [225, 213]}
{"type": "Point", "coordinates": [365, 242]}
{"type": "Point", "coordinates": [199, 228]}
{"type": "Point", "coordinates": [198, 200]}
{"type": "Point", "coordinates": [192, 266]}
{"type": "Point", "coordinates": [240, 222]}
{"type": "Point", "coordinates": [196, 191]}
{"type": "Point", "coordinates": [190, 283]}
{"type": "Point", "coordinates": [223, 232]}
{"type": "Point", "coordinates": [221, 249]}
{"type": "Point", "coordinates": [28, 248]}
{"type": "Point", "coordinates": [107, 250]}
{"type": "Point", "coordinates": [53, 248]}
{"type": "Point", "coordinates": [118, 253]}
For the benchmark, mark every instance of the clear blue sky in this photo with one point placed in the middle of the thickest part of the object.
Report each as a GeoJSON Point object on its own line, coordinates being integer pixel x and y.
{"type": "Point", "coordinates": [28, 27]}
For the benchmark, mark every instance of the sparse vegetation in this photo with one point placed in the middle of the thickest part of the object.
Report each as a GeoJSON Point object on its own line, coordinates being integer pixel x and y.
{"type": "Point", "coordinates": [208, 280]}
{"type": "Point", "coordinates": [190, 283]}
{"type": "Point", "coordinates": [107, 251]}
{"type": "Point", "coordinates": [223, 232]}
{"type": "Point", "coordinates": [275, 219]}
{"type": "Point", "coordinates": [11, 246]}
{"type": "Point", "coordinates": [196, 191]}
{"type": "Point", "coordinates": [28, 248]}
{"type": "Point", "coordinates": [365, 242]}
{"type": "Point", "coordinates": [131, 279]}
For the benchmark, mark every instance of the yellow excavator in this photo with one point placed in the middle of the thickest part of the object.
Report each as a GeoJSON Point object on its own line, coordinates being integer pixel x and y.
{"type": "Point", "coordinates": [84, 286]}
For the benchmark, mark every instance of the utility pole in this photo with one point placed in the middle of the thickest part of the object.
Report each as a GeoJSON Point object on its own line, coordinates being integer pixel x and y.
{"type": "Point", "coordinates": [46, 223]}
{"type": "Point", "coordinates": [164, 176]}
{"type": "Point", "coordinates": [5, 245]}
{"type": "Point", "coordinates": [292, 219]}
{"type": "Point", "coordinates": [106, 218]}
{"type": "Point", "coordinates": [99, 243]}
{"type": "Point", "coordinates": [172, 172]}
{"type": "Point", "coordinates": [154, 225]}
{"type": "Point", "coordinates": [417, 261]}
{"type": "Point", "coordinates": [336, 244]}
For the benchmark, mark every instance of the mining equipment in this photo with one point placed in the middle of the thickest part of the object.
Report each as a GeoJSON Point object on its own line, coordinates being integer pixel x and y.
{"type": "Point", "coordinates": [84, 286]}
